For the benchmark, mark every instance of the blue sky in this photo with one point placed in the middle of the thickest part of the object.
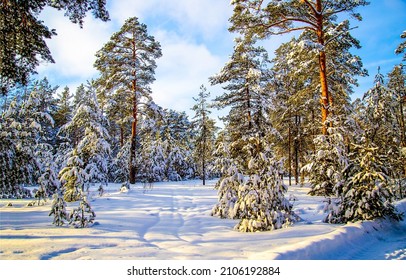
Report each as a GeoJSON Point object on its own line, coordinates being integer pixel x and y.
{"type": "Point", "coordinates": [196, 43]}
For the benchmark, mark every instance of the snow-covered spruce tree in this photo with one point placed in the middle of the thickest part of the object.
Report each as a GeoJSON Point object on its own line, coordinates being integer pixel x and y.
{"type": "Point", "coordinates": [92, 149]}
{"type": "Point", "coordinates": [230, 180]}
{"type": "Point", "coordinates": [227, 191]}
{"type": "Point", "coordinates": [325, 166]}
{"type": "Point", "coordinates": [127, 66]}
{"type": "Point", "coordinates": [382, 122]}
{"type": "Point", "coordinates": [58, 210]}
{"type": "Point", "coordinates": [261, 203]}
{"type": "Point", "coordinates": [48, 179]}
{"type": "Point", "coordinates": [366, 193]}
{"type": "Point", "coordinates": [176, 135]}
{"type": "Point", "coordinates": [83, 216]}
{"type": "Point", "coordinates": [73, 177]}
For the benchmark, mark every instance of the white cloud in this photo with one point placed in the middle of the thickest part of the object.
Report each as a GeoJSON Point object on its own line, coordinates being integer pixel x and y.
{"type": "Point", "coordinates": [73, 49]}
{"type": "Point", "coordinates": [206, 18]}
{"type": "Point", "coordinates": [193, 34]}
{"type": "Point", "coordinates": [182, 69]}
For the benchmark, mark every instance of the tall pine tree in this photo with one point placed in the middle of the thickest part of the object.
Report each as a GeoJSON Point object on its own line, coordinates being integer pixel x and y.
{"type": "Point", "coordinates": [127, 67]}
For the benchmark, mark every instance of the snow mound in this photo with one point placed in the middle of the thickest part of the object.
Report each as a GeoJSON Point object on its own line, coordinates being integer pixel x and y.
{"type": "Point", "coordinates": [362, 240]}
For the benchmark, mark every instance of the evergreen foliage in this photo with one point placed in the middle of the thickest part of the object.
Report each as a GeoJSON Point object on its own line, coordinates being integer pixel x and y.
{"type": "Point", "coordinates": [258, 201]}
{"type": "Point", "coordinates": [23, 35]}
{"type": "Point", "coordinates": [73, 177]}
{"type": "Point", "coordinates": [366, 193]}
{"type": "Point", "coordinates": [325, 167]}
{"type": "Point", "coordinates": [402, 46]}
{"type": "Point", "coordinates": [316, 18]}
{"type": "Point", "coordinates": [26, 129]}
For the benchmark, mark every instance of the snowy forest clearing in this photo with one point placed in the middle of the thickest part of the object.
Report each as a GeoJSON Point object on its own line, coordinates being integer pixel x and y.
{"type": "Point", "coordinates": [172, 221]}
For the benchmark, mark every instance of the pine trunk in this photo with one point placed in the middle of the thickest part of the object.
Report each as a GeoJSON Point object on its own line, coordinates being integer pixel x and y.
{"type": "Point", "coordinates": [133, 149]}
{"type": "Point", "coordinates": [325, 98]}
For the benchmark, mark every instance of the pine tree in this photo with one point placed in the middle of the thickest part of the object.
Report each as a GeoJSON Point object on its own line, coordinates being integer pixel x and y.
{"type": "Point", "coordinates": [204, 128]}
{"type": "Point", "coordinates": [245, 76]}
{"type": "Point", "coordinates": [318, 17]}
{"type": "Point", "coordinates": [64, 108]}
{"type": "Point", "coordinates": [23, 35]}
{"type": "Point", "coordinates": [92, 147]}
{"type": "Point", "coordinates": [127, 66]}
{"type": "Point", "coordinates": [383, 123]}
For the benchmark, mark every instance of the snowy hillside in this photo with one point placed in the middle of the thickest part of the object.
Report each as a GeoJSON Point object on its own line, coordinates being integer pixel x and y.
{"type": "Point", "coordinates": [172, 221]}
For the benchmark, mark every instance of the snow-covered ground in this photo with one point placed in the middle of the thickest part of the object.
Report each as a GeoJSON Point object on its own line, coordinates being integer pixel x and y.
{"type": "Point", "coordinates": [172, 221]}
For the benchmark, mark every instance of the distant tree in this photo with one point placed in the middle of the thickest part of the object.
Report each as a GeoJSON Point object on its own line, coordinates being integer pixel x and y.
{"type": "Point", "coordinates": [153, 167]}
{"type": "Point", "coordinates": [23, 35]}
{"type": "Point", "coordinates": [63, 112]}
{"type": "Point", "coordinates": [127, 66]}
{"type": "Point", "coordinates": [204, 128]}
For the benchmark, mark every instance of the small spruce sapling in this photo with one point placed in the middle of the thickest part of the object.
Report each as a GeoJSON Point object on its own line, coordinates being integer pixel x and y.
{"type": "Point", "coordinates": [58, 210]}
{"type": "Point", "coordinates": [261, 203]}
{"type": "Point", "coordinates": [366, 193]}
{"type": "Point", "coordinates": [82, 216]}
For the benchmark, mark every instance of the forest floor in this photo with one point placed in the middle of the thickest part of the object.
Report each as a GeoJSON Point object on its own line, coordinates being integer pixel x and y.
{"type": "Point", "coordinates": [172, 221]}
